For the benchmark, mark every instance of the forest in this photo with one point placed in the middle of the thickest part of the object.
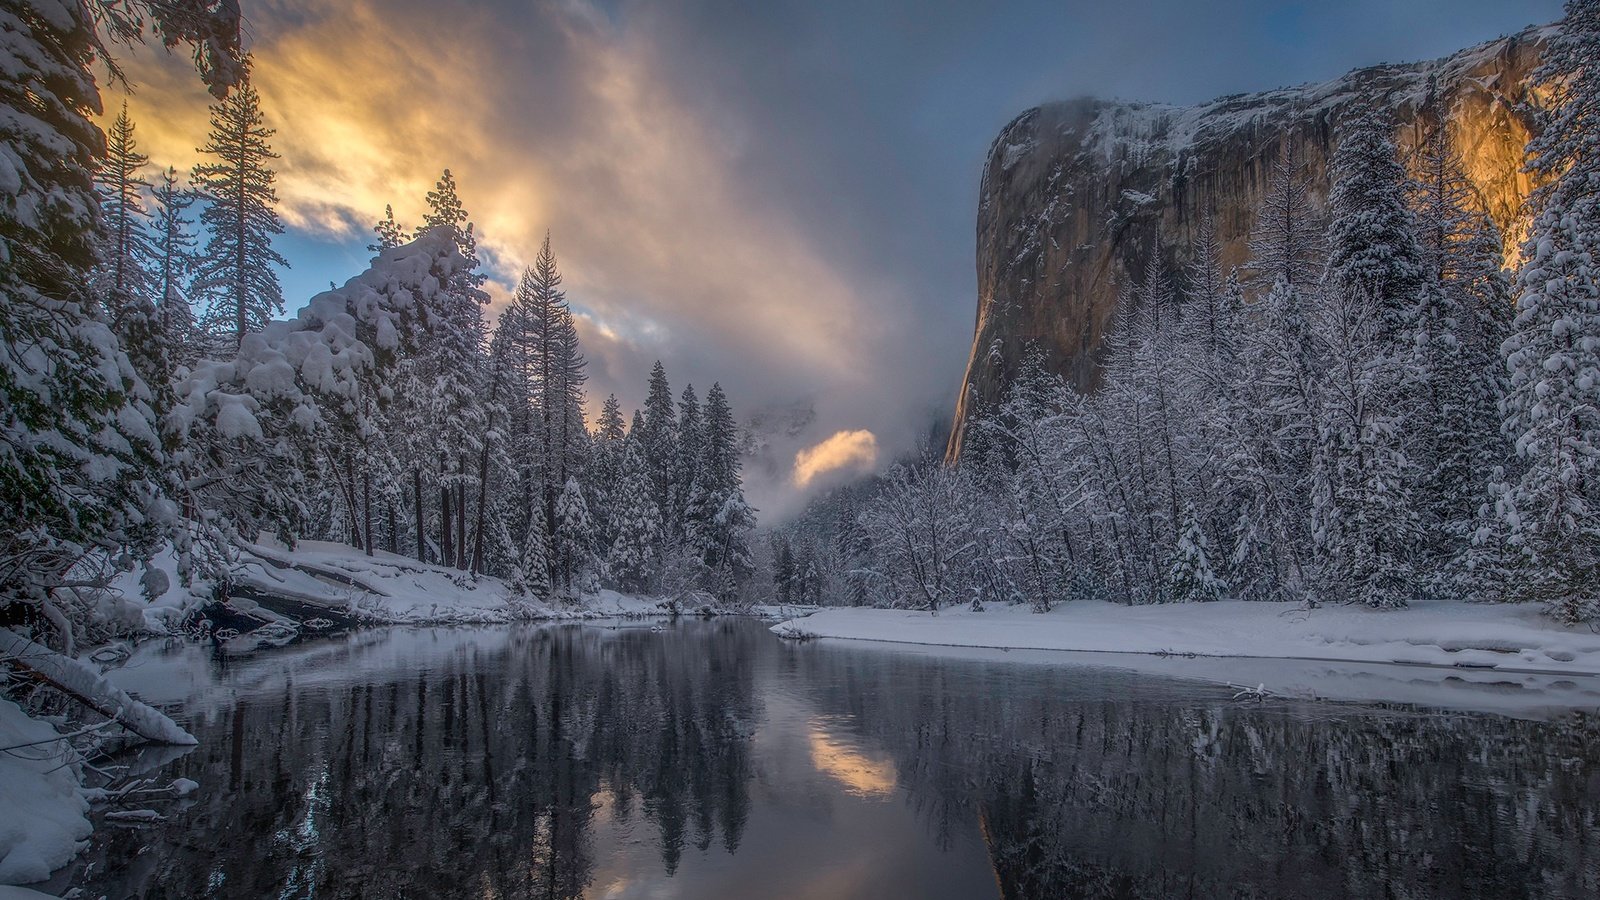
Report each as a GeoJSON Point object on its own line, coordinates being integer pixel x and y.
{"type": "Point", "coordinates": [1382, 405]}
{"type": "Point", "coordinates": [160, 412]}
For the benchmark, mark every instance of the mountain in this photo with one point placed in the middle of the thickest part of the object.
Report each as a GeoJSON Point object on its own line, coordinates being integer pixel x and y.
{"type": "Point", "coordinates": [1077, 195]}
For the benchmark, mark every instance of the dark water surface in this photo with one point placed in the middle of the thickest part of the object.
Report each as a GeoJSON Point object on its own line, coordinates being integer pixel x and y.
{"type": "Point", "coordinates": [710, 760]}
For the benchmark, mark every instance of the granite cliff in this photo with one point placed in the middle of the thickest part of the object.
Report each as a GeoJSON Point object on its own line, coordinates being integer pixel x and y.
{"type": "Point", "coordinates": [1077, 195]}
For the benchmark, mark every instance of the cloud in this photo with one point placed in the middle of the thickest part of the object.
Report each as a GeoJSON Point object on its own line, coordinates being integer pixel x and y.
{"type": "Point", "coordinates": [844, 450]}
{"type": "Point", "coordinates": [776, 196]}
{"type": "Point", "coordinates": [550, 117]}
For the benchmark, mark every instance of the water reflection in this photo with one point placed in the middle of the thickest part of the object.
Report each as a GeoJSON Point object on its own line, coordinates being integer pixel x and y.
{"type": "Point", "coordinates": [708, 760]}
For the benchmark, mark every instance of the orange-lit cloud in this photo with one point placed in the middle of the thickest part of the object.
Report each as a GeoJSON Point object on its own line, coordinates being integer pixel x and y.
{"type": "Point", "coordinates": [843, 450]}
{"type": "Point", "coordinates": [558, 117]}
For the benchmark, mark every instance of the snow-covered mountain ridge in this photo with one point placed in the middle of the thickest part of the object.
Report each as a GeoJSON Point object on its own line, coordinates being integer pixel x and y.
{"type": "Point", "coordinates": [1077, 195]}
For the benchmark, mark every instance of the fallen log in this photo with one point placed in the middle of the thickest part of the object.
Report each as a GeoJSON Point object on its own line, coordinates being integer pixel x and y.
{"type": "Point", "coordinates": [85, 685]}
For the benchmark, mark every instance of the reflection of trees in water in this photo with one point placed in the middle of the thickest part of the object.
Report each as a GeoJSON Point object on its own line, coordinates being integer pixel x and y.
{"type": "Point", "coordinates": [1076, 795]}
{"type": "Point", "coordinates": [482, 775]}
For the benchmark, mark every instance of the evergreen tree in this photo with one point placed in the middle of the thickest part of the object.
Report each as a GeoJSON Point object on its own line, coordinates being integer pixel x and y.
{"type": "Point", "coordinates": [718, 519]}
{"type": "Point", "coordinates": [1552, 405]}
{"type": "Point", "coordinates": [127, 258]}
{"type": "Point", "coordinates": [635, 554]}
{"type": "Point", "coordinates": [686, 468]}
{"type": "Point", "coordinates": [1190, 574]}
{"type": "Point", "coordinates": [659, 439]}
{"type": "Point", "coordinates": [530, 579]}
{"type": "Point", "coordinates": [390, 234]}
{"type": "Point", "coordinates": [456, 369]}
{"type": "Point", "coordinates": [175, 257]}
{"type": "Point", "coordinates": [1287, 243]}
{"type": "Point", "coordinates": [574, 539]}
{"type": "Point", "coordinates": [605, 467]}
{"type": "Point", "coordinates": [1373, 251]}
{"type": "Point", "coordinates": [90, 486]}
{"type": "Point", "coordinates": [235, 275]}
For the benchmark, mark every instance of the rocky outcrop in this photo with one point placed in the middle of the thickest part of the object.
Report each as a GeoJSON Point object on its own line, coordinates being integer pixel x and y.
{"type": "Point", "coordinates": [1078, 195]}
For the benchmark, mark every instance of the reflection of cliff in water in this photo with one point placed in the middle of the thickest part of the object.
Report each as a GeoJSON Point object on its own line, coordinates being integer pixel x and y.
{"type": "Point", "coordinates": [1147, 796]}
{"type": "Point", "coordinates": [482, 775]}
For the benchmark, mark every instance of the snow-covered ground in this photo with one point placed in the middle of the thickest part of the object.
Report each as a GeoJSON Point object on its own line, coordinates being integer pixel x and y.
{"type": "Point", "coordinates": [46, 816]}
{"type": "Point", "coordinates": [1498, 637]}
{"type": "Point", "coordinates": [389, 589]}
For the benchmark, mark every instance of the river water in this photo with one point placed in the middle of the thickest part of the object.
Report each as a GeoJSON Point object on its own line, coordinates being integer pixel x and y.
{"type": "Point", "coordinates": [711, 760]}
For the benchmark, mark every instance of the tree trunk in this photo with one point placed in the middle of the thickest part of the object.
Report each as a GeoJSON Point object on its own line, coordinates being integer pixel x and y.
{"type": "Point", "coordinates": [416, 492]}
{"type": "Point", "coordinates": [461, 512]}
{"type": "Point", "coordinates": [483, 487]}
{"type": "Point", "coordinates": [446, 554]}
{"type": "Point", "coordinates": [366, 504]}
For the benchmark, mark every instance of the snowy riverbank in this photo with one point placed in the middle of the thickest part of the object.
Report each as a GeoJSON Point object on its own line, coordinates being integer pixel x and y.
{"type": "Point", "coordinates": [1498, 637]}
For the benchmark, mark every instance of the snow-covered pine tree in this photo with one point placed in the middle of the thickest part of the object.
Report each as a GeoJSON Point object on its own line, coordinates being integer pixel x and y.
{"type": "Point", "coordinates": [236, 276]}
{"type": "Point", "coordinates": [659, 439]}
{"type": "Point", "coordinates": [686, 468]}
{"type": "Point", "coordinates": [1190, 576]}
{"type": "Point", "coordinates": [1463, 316]}
{"type": "Point", "coordinates": [605, 468]}
{"type": "Point", "coordinates": [574, 537]}
{"type": "Point", "coordinates": [570, 426]}
{"type": "Point", "coordinates": [635, 552]}
{"type": "Point", "coordinates": [1372, 244]}
{"type": "Point", "coordinates": [530, 580]}
{"type": "Point", "coordinates": [719, 519]}
{"type": "Point", "coordinates": [456, 367]}
{"type": "Point", "coordinates": [1552, 405]}
{"type": "Point", "coordinates": [1287, 242]}
{"type": "Point", "coordinates": [90, 487]}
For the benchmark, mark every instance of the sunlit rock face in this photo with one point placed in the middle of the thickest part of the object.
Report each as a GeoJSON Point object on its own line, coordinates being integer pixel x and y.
{"type": "Point", "coordinates": [1076, 195]}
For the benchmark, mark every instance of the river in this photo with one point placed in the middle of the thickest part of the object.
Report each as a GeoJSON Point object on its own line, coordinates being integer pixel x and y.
{"type": "Point", "coordinates": [711, 760]}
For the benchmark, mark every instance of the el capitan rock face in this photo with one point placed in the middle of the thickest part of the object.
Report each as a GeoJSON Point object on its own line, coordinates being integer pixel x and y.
{"type": "Point", "coordinates": [1076, 195]}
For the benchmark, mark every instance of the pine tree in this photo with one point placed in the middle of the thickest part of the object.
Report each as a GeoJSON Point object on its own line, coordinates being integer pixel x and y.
{"type": "Point", "coordinates": [90, 487]}
{"type": "Point", "coordinates": [236, 276]}
{"type": "Point", "coordinates": [605, 468]}
{"type": "Point", "coordinates": [686, 468]}
{"type": "Point", "coordinates": [175, 257]}
{"type": "Point", "coordinates": [659, 439]}
{"type": "Point", "coordinates": [1552, 405]}
{"type": "Point", "coordinates": [718, 518]}
{"type": "Point", "coordinates": [1287, 243]}
{"type": "Point", "coordinates": [574, 539]}
{"type": "Point", "coordinates": [456, 368]}
{"type": "Point", "coordinates": [390, 234]}
{"type": "Point", "coordinates": [531, 578]}
{"type": "Point", "coordinates": [1373, 251]}
{"type": "Point", "coordinates": [635, 555]}
{"type": "Point", "coordinates": [126, 261]}
{"type": "Point", "coordinates": [1190, 575]}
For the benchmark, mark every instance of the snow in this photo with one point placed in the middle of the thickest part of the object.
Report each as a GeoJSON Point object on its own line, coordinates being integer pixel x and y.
{"type": "Point", "coordinates": [1500, 638]}
{"type": "Point", "coordinates": [45, 816]}
{"type": "Point", "coordinates": [89, 686]}
{"type": "Point", "coordinates": [392, 589]}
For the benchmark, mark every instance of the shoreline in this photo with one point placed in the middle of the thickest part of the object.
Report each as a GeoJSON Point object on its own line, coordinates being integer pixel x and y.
{"type": "Point", "coordinates": [1500, 638]}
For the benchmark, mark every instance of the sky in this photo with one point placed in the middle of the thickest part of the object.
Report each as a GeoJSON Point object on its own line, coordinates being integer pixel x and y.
{"type": "Point", "coordinates": [779, 196]}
